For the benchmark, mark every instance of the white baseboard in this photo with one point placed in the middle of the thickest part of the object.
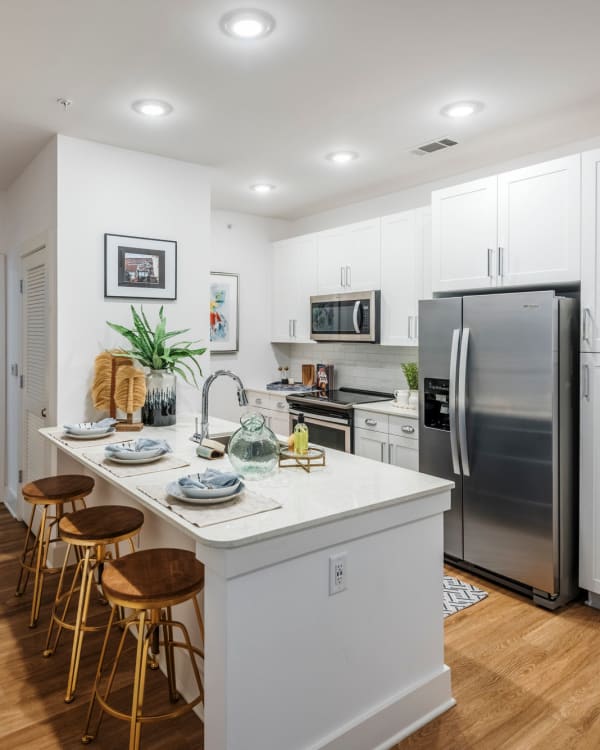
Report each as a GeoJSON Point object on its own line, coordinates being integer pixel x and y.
{"type": "Point", "coordinates": [10, 501]}
{"type": "Point", "coordinates": [390, 723]}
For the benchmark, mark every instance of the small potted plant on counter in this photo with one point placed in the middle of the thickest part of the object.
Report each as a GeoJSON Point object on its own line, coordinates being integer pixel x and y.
{"type": "Point", "coordinates": [151, 348]}
{"type": "Point", "coordinates": [411, 373]}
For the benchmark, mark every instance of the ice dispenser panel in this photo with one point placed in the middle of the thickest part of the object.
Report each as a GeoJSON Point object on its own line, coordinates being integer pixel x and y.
{"type": "Point", "coordinates": [437, 414]}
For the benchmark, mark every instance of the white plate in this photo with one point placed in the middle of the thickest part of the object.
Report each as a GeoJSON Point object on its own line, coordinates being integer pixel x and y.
{"type": "Point", "coordinates": [174, 490]}
{"type": "Point", "coordinates": [94, 436]}
{"type": "Point", "coordinates": [132, 460]}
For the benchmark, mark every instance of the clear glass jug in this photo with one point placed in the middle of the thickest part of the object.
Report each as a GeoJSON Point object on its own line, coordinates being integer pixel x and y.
{"type": "Point", "coordinates": [253, 448]}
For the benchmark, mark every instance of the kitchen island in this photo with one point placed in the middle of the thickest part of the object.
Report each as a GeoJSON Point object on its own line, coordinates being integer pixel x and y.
{"type": "Point", "coordinates": [288, 665]}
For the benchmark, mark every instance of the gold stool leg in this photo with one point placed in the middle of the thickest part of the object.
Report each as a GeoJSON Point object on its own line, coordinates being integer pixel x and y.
{"type": "Point", "coordinates": [42, 553]}
{"type": "Point", "coordinates": [137, 701]}
{"type": "Point", "coordinates": [22, 585]}
{"type": "Point", "coordinates": [55, 617]}
{"type": "Point", "coordinates": [87, 581]}
{"type": "Point", "coordinates": [169, 656]}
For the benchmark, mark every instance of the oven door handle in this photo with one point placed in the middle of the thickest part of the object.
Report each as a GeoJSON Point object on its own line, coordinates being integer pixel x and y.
{"type": "Point", "coordinates": [319, 418]}
{"type": "Point", "coordinates": [355, 316]}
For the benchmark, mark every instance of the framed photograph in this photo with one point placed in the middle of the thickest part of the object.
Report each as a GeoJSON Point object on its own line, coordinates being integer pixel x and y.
{"type": "Point", "coordinates": [224, 312]}
{"type": "Point", "coordinates": [139, 267]}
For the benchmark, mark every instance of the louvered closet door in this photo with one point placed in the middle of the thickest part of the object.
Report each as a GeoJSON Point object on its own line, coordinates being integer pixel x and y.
{"type": "Point", "coordinates": [35, 362]}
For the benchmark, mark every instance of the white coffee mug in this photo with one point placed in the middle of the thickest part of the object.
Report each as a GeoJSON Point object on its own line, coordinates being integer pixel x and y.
{"type": "Point", "coordinates": [401, 397]}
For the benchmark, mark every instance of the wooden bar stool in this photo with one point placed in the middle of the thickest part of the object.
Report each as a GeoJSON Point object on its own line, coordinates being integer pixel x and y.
{"type": "Point", "coordinates": [150, 582]}
{"type": "Point", "coordinates": [47, 493]}
{"type": "Point", "coordinates": [89, 532]}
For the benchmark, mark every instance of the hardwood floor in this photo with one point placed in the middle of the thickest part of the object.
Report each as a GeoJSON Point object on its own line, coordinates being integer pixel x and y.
{"type": "Point", "coordinates": [33, 713]}
{"type": "Point", "coordinates": [523, 678]}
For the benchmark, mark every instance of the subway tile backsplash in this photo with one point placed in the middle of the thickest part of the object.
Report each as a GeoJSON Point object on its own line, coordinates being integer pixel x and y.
{"type": "Point", "coordinates": [368, 366]}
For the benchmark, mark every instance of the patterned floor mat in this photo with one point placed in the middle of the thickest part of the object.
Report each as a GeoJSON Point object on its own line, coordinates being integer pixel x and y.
{"type": "Point", "coordinates": [460, 595]}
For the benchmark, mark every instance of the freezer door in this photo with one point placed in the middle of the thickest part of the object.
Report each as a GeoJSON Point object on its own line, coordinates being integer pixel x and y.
{"type": "Point", "coordinates": [510, 419]}
{"type": "Point", "coordinates": [439, 319]}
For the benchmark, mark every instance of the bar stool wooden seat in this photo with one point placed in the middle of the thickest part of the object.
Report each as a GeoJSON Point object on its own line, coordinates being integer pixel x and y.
{"type": "Point", "coordinates": [48, 493]}
{"type": "Point", "coordinates": [150, 582]}
{"type": "Point", "coordinates": [90, 532]}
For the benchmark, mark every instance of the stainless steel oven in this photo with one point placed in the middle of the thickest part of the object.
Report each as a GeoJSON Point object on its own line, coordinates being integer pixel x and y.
{"type": "Point", "coordinates": [352, 316]}
{"type": "Point", "coordinates": [326, 430]}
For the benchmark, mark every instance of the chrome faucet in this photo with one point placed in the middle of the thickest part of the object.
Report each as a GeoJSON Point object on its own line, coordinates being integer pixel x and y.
{"type": "Point", "coordinates": [199, 436]}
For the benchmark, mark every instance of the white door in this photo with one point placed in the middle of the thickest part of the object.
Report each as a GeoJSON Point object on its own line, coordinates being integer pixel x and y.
{"type": "Point", "coordinates": [332, 252]}
{"type": "Point", "coordinates": [294, 280]}
{"type": "Point", "coordinates": [589, 481]}
{"type": "Point", "coordinates": [400, 279]}
{"type": "Point", "coordinates": [464, 234]}
{"type": "Point", "coordinates": [404, 452]}
{"type": "Point", "coordinates": [539, 223]}
{"type": "Point", "coordinates": [35, 363]}
{"type": "Point", "coordinates": [590, 251]}
{"type": "Point", "coordinates": [371, 444]}
{"type": "Point", "coordinates": [363, 271]}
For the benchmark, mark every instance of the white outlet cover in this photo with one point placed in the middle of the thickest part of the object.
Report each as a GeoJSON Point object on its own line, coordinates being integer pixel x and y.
{"type": "Point", "coordinates": [338, 573]}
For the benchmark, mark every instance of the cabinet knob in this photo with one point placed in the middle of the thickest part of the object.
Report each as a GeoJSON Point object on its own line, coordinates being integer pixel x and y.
{"type": "Point", "coordinates": [258, 401]}
{"type": "Point", "coordinates": [281, 404]}
{"type": "Point", "coordinates": [408, 428]}
{"type": "Point", "coordinates": [371, 422]}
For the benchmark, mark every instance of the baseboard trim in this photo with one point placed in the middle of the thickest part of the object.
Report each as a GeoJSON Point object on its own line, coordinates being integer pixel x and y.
{"type": "Point", "coordinates": [10, 501]}
{"type": "Point", "coordinates": [389, 723]}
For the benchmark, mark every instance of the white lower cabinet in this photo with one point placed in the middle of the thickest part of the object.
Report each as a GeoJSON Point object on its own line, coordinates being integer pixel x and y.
{"type": "Point", "coordinates": [387, 438]}
{"type": "Point", "coordinates": [589, 479]}
{"type": "Point", "coordinates": [273, 407]}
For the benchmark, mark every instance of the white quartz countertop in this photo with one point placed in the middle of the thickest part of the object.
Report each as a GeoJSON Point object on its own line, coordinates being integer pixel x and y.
{"type": "Point", "coordinates": [348, 485]}
{"type": "Point", "coordinates": [389, 407]}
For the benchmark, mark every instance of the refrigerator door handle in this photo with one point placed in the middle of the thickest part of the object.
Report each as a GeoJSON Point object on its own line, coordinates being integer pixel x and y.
{"type": "Point", "coordinates": [452, 399]}
{"type": "Point", "coordinates": [462, 403]}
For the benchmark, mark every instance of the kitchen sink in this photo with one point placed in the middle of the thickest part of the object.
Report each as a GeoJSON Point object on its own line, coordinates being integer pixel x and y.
{"type": "Point", "coordinates": [223, 439]}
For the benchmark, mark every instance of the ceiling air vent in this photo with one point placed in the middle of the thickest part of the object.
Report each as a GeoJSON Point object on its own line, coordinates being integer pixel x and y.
{"type": "Point", "coordinates": [430, 148]}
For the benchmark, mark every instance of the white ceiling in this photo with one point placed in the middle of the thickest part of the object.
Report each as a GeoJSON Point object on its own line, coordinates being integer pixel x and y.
{"type": "Point", "coordinates": [368, 75]}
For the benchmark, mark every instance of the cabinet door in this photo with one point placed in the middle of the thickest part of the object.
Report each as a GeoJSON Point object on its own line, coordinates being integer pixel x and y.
{"type": "Point", "coordinates": [362, 257]}
{"type": "Point", "coordinates": [400, 279]}
{"type": "Point", "coordinates": [539, 223]}
{"type": "Point", "coordinates": [293, 282]}
{"type": "Point", "coordinates": [331, 260]}
{"type": "Point", "coordinates": [424, 252]}
{"type": "Point", "coordinates": [370, 444]}
{"type": "Point", "coordinates": [590, 251]}
{"type": "Point", "coordinates": [404, 452]}
{"type": "Point", "coordinates": [280, 424]}
{"type": "Point", "coordinates": [464, 233]}
{"type": "Point", "coordinates": [589, 481]}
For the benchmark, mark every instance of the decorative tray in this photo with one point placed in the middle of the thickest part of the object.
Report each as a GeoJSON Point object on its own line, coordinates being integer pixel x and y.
{"type": "Point", "coordinates": [289, 459]}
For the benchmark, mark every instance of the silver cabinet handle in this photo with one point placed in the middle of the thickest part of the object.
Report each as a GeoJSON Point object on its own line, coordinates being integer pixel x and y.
{"type": "Point", "coordinates": [348, 276]}
{"type": "Point", "coordinates": [462, 403]}
{"type": "Point", "coordinates": [586, 382]}
{"type": "Point", "coordinates": [382, 449]}
{"type": "Point", "coordinates": [408, 428]}
{"type": "Point", "coordinates": [355, 316]}
{"type": "Point", "coordinates": [371, 422]}
{"type": "Point", "coordinates": [389, 453]}
{"type": "Point", "coordinates": [409, 319]}
{"type": "Point", "coordinates": [452, 399]}
{"type": "Point", "coordinates": [342, 283]}
{"type": "Point", "coordinates": [416, 326]}
{"type": "Point", "coordinates": [500, 262]}
{"type": "Point", "coordinates": [490, 273]}
{"type": "Point", "coordinates": [587, 319]}
{"type": "Point", "coordinates": [290, 328]}
{"type": "Point", "coordinates": [258, 401]}
{"type": "Point", "coordinates": [281, 404]}
{"type": "Point", "coordinates": [294, 328]}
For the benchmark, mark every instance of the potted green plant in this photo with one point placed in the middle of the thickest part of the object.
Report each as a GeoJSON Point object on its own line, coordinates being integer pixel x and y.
{"type": "Point", "coordinates": [411, 373]}
{"type": "Point", "coordinates": [153, 349]}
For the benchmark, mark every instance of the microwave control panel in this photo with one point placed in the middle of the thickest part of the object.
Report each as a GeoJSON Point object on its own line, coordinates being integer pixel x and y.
{"type": "Point", "coordinates": [436, 402]}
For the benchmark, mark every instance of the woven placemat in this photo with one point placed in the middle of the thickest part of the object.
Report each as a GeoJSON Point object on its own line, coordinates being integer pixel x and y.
{"type": "Point", "coordinates": [164, 463]}
{"type": "Point", "coordinates": [249, 503]}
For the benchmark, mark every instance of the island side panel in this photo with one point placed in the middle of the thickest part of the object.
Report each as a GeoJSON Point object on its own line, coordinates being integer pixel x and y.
{"type": "Point", "coordinates": [302, 669]}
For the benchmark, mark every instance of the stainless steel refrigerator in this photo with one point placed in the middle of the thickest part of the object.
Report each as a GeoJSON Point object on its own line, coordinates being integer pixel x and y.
{"type": "Point", "coordinates": [498, 415]}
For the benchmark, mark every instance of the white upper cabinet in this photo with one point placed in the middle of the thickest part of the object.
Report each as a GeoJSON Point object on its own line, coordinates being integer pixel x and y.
{"type": "Point", "coordinates": [348, 258]}
{"type": "Point", "coordinates": [404, 243]}
{"type": "Point", "coordinates": [539, 223]}
{"type": "Point", "coordinates": [464, 232]}
{"type": "Point", "coordinates": [590, 251]}
{"type": "Point", "coordinates": [520, 228]}
{"type": "Point", "coordinates": [294, 280]}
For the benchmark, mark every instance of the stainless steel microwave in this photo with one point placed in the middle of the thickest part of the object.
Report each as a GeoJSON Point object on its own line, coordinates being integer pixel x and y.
{"type": "Point", "coordinates": [352, 316]}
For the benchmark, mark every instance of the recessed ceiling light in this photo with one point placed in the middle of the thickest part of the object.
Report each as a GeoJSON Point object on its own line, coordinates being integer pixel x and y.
{"type": "Point", "coordinates": [247, 23]}
{"type": "Point", "coordinates": [461, 109]}
{"type": "Point", "coordinates": [262, 187]}
{"type": "Point", "coordinates": [342, 157]}
{"type": "Point", "coordinates": [152, 107]}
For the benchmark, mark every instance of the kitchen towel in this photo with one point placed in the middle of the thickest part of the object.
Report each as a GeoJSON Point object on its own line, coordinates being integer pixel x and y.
{"type": "Point", "coordinates": [80, 427]}
{"type": "Point", "coordinates": [140, 445]}
{"type": "Point", "coordinates": [210, 449]}
{"type": "Point", "coordinates": [249, 503]}
{"type": "Point", "coordinates": [164, 463]}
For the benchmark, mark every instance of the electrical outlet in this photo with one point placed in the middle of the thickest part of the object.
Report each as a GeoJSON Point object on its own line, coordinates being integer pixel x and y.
{"type": "Point", "coordinates": [338, 573]}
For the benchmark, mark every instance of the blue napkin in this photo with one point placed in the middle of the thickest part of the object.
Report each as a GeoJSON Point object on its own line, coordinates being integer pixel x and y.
{"type": "Point", "coordinates": [108, 422]}
{"type": "Point", "coordinates": [211, 479]}
{"type": "Point", "coordinates": [139, 446]}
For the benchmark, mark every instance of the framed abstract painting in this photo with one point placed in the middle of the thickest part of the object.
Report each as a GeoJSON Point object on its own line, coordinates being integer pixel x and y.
{"type": "Point", "coordinates": [224, 312]}
{"type": "Point", "coordinates": [139, 267]}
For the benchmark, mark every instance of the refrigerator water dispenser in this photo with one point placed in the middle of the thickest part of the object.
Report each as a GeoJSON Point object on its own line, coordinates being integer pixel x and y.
{"type": "Point", "coordinates": [435, 395]}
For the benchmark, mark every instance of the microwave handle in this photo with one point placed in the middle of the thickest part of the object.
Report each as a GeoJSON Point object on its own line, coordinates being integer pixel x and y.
{"type": "Point", "coordinates": [355, 316]}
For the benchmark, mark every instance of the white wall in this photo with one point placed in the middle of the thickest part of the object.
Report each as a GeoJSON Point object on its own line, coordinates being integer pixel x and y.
{"type": "Point", "coordinates": [30, 219]}
{"type": "Point", "coordinates": [106, 189]}
{"type": "Point", "coordinates": [420, 194]}
{"type": "Point", "coordinates": [240, 243]}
